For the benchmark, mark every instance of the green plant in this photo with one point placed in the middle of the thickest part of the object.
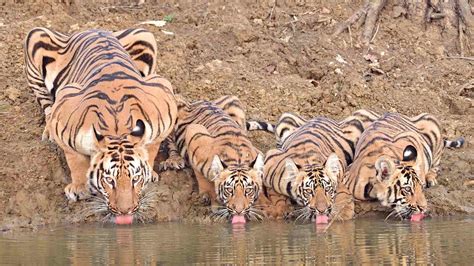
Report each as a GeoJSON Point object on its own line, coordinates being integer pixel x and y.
{"type": "Point", "coordinates": [168, 18]}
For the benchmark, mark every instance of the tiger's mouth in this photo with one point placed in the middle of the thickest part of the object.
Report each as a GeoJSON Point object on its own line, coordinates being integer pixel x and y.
{"type": "Point", "coordinates": [310, 214]}
{"type": "Point", "coordinates": [144, 211]}
{"type": "Point", "coordinates": [407, 212]}
{"type": "Point", "coordinates": [225, 213]}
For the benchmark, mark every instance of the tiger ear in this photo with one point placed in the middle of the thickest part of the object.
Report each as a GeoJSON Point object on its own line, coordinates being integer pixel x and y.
{"type": "Point", "coordinates": [99, 137]}
{"type": "Point", "coordinates": [291, 170]}
{"type": "Point", "coordinates": [385, 167]}
{"type": "Point", "coordinates": [257, 164]}
{"type": "Point", "coordinates": [333, 167]}
{"type": "Point", "coordinates": [409, 154]}
{"type": "Point", "coordinates": [216, 168]}
{"type": "Point", "coordinates": [139, 129]}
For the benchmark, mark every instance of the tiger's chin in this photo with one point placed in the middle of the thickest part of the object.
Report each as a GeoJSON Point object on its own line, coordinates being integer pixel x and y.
{"type": "Point", "coordinates": [226, 214]}
{"type": "Point", "coordinates": [144, 212]}
{"type": "Point", "coordinates": [406, 213]}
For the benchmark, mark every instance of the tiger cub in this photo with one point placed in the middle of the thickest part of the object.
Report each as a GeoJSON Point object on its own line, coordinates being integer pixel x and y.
{"type": "Point", "coordinates": [395, 158]}
{"type": "Point", "coordinates": [310, 160]}
{"type": "Point", "coordinates": [105, 108]}
{"type": "Point", "coordinates": [212, 137]}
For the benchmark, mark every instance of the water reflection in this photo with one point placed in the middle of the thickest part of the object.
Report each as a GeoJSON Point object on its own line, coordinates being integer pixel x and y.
{"type": "Point", "coordinates": [354, 242]}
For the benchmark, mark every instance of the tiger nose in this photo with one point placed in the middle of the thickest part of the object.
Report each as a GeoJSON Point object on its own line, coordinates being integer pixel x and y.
{"type": "Point", "coordinates": [320, 202]}
{"type": "Point", "coordinates": [125, 206]}
{"type": "Point", "coordinates": [238, 208]}
{"type": "Point", "coordinates": [321, 207]}
{"type": "Point", "coordinates": [125, 210]}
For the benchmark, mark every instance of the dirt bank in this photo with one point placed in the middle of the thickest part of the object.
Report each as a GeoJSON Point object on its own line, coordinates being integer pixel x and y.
{"type": "Point", "coordinates": [276, 58]}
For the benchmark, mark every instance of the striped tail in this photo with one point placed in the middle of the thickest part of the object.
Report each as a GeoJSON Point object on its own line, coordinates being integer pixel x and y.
{"type": "Point", "coordinates": [458, 143]}
{"type": "Point", "coordinates": [260, 125]}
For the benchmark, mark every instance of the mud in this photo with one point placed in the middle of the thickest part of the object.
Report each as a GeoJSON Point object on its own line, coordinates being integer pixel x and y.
{"type": "Point", "coordinates": [275, 57]}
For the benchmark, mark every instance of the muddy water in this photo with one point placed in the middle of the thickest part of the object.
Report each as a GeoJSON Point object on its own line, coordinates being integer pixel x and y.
{"type": "Point", "coordinates": [439, 241]}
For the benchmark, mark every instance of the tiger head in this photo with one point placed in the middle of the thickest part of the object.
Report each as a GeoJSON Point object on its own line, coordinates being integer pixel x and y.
{"type": "Point", "coordinates": [237, 187]}
{"type": "Point", "coordinates": [120, 172]}
{"type": "Point", "coordinates": [313, 187]}
{"type": "Point", "coordinates": [399, 185]}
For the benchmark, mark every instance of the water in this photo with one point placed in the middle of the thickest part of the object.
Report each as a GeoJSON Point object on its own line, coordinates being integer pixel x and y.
{"type": "Point", "coordinates": [438, 241]}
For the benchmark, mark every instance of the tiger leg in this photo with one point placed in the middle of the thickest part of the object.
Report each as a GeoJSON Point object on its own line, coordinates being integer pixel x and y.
{"type": "Point", "coordinates": [152, 151]}
{"type": "Point", "coordinates": [431, 177]}
{"type": "Point", "coordinates": [343, 204]}
{"type": "Point", "coordinates": [206, 188]}
{"type": "Point", "coordinates": [274, 205]}
{"type": "Point", "coordinates": [141, 46]}
{"type": "Point", "coordinates": [79, 165]}
{"type": "Point", "coordinates": [287, 124]}
{"type": "Point", "coordinates": [41, 57]}
{"type": "Point", "coordinates": [232, 106]}
{"type": "Point", "coordinates": [174, 161]}
{"type": "Point", "coordinates": [199, 145]}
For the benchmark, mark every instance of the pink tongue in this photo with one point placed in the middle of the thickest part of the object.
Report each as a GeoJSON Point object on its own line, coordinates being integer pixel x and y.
{"type": "Point", "coordinates": [322, 219]}
{"type": "Point", "coordinates": [417, 217]}
{"type": "Point", "coordinates": [238, 219]}
{"type": "Point", "coordinates": [124, 219]}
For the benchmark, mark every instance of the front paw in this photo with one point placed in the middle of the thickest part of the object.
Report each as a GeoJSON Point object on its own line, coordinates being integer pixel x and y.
{"type": "Point", "coordinates": [46, 136]}
{"type": "Point", "coordinates": [343, 207]}
{"type": "Point", "coordinates": [155, 177]}
{"type": "Point", "coordinates": [46, 133]}
{"type": "Point", "coordinates": [172, 163]}
{"type": "Point", "coordinates": [205, 199]}
{"type": "Point", "coordinates": [75, 192]}
{"type": "Point", "coordinates": [431, 181]}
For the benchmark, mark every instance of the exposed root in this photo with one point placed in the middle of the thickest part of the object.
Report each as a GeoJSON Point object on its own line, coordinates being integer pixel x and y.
{"type": "Point", "coordinates": [368, 16]}
{"type": "Point", "coordinates": [456, 18]}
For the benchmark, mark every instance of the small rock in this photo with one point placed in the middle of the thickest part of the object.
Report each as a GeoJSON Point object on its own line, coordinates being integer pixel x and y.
{"type": "Point", "coordinates": [340, 59]}
{"type": "Point", "coordinates": [398, 11]}
{"type": "Point", "coordinates": [338, 71]}
{"type": "Point", "coordinates": [258, 21]}
{"type": "Point", "coordinates": [198, 68]}
{"type": "Point", "coordinates": [270, 68]}
{"type": "Point", "coordinates": [214, 65]}
{"type": "Point", "coordinates": [371, 58]}
{"type": "Point", "coordinates": [325, 10]}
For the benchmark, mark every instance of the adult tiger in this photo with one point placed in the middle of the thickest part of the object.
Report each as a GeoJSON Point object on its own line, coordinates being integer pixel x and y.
{"type": "Point", "coordinates": [395, 158]}
{"type": "Point", "coordinates": [104, 107]}
{"type": "Point", "coordinates": [311, 158]}
{"type": "Point", "coordinates": [212, 137]}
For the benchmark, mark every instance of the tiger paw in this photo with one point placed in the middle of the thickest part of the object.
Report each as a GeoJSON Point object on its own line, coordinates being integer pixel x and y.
{"type": "Point", "coordinates": [75, 192]}
{"type": "Point", "coordinates": [172, 163]}
{"type": "Point", "coordinates": [431, 179]}
{"type": "Point", "coordinates": [431, 182]}
{"type": "Point", "coordinates": [155, 177]}
{"type": "Point", "coordinates": [46, 136]}
{"type": "Point", "coordinates": [205, 199]}
{"type": "Point", "coordinates": [343, 208]}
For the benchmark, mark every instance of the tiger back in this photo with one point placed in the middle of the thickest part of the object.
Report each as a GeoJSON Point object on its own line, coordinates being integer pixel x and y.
{"type": "Point", "coordinates": [105, 108]}
{"type": "Point", "coordinates": [212, 137]}
{"type": "Point", "coordinates": [395, 158]}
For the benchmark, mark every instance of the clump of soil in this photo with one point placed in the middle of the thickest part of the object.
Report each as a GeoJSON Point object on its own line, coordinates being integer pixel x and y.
{"type": "Point", "coordinates": [274, 57]}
